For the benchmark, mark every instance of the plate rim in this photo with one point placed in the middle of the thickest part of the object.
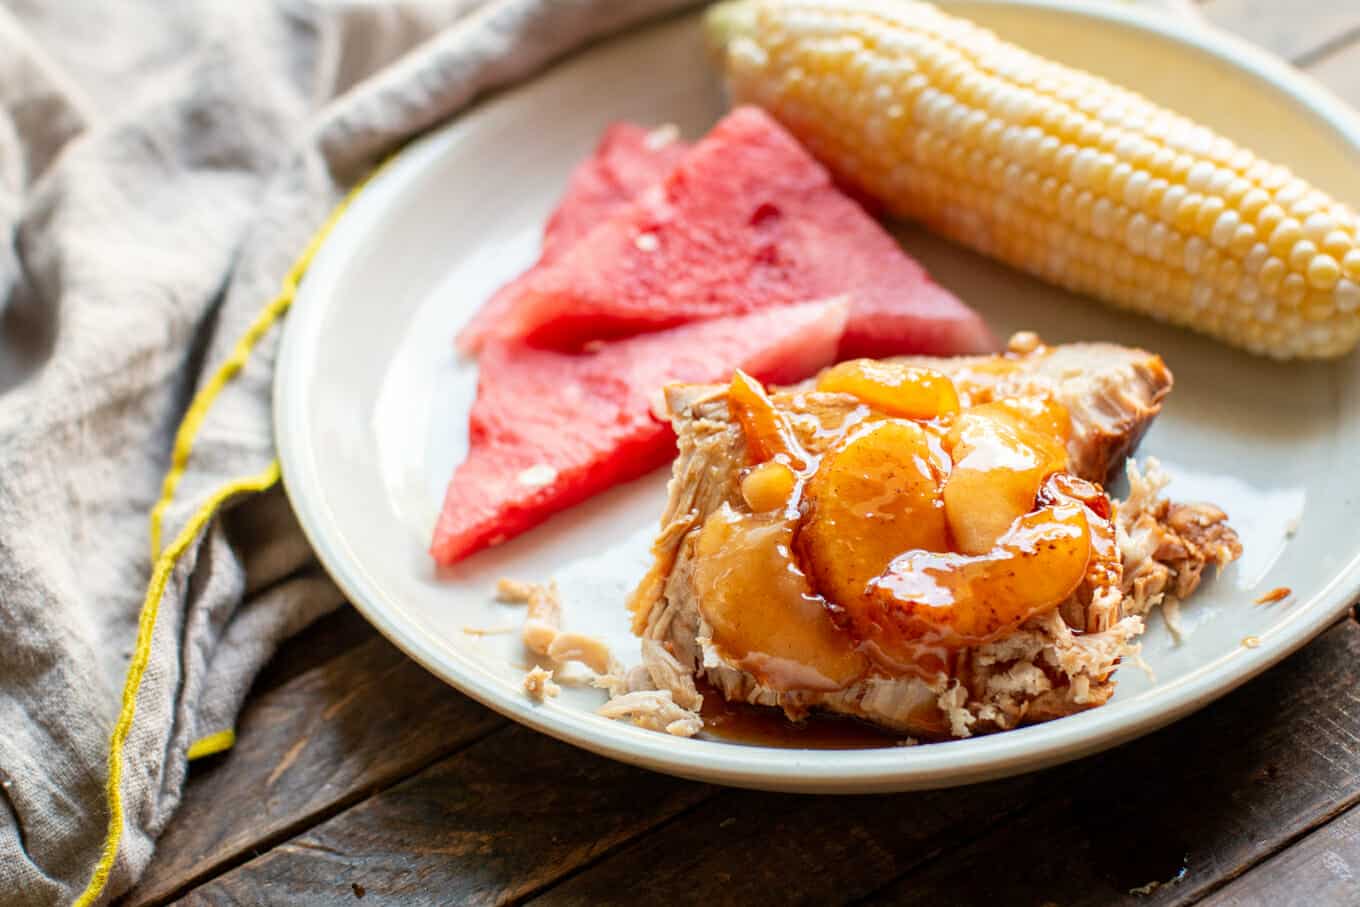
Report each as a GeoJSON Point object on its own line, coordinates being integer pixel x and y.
{"type": "Point", "coordinates": [942, 764]}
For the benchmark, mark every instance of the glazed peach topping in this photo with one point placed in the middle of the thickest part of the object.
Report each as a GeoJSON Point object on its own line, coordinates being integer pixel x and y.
{"type": "Point", "coordinates": [893, 518]}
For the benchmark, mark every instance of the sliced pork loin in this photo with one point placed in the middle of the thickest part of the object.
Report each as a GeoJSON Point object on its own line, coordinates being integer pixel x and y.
{"type": "Point", "coordinates": [1112, 392]}
{"type": "Point", "coordinates": [1055, 664]}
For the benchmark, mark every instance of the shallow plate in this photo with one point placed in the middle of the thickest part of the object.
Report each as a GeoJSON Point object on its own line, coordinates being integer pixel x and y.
{"type": "Point", "coordinates": [372, 403]}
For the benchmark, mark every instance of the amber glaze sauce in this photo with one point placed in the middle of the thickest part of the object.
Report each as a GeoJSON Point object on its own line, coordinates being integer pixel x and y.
{"type": "Point", "coordinates": [754, 725]}
{"type": "Point", "coordinates": [742, 563]}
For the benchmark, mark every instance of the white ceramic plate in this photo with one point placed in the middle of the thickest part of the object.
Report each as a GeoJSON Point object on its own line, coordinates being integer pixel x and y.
{"type": "Point", "coordinates": [372, 403]}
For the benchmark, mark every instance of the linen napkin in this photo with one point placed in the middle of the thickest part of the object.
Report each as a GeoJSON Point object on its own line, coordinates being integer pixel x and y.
{"type": "Point", "coordinates": [162, 167]}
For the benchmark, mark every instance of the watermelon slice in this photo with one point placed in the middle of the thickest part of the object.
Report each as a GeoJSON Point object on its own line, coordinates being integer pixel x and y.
{"type": "Point", "coordinates": [628, 159]}
{"type": "Point", "coordinates": [550, 429]}
{"type": "Point", "coordinates": [745, 221]}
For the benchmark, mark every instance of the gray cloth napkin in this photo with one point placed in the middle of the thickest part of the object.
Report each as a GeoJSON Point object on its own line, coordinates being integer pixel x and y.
{"type": "Point", "coordinates": [161, 167]}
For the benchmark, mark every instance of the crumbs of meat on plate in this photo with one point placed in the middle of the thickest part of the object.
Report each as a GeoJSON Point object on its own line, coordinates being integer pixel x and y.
{"type": "Point", "coordinates": [657, 695]}
{"type": "Point", "coordinates": [1278, 594]}
{"type": "Point", "coordinates": [1251, 642]}
{"type": "Point", "coordinates": [538, 683]}
{"type": "Point", "coordinates": [512, 591]}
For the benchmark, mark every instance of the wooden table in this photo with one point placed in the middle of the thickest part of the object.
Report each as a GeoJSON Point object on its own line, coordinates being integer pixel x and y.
{"type": "Point", "coordinates": [359, 776]}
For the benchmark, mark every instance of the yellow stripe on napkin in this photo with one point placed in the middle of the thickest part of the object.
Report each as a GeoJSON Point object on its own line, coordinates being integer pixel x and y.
{"type": "Point", "coordinates": [166, 561]}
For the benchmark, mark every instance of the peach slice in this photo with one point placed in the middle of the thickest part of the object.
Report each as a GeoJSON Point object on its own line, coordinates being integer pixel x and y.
{"type": "Point", "coordinates": [767, 431]}
{"type": "Point", "coordinates": [1000, 460]}
{"type": "Point", "coordinates": [763, 613]}
{"type": "Point", "coordinates": [958, 600]}
{"type": "Point", "coordinates": [898, 390]}
{"type": "Point", "coordinates": [872, 498]}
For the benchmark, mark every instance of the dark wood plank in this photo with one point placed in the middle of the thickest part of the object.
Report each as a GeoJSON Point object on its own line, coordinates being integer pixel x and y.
{"type": "Point", "coordinates": [503, 817]}
{"type": "Point", "coordinates": [751, 848]}
{"type": "Point", "coordinates": [1297, 30]}
{"type": "Point", "coordinates": [1124, 816]}
{"type": "Point", "coordinates": [1211, 796]}
{"type": "Point", "coordinates": [327, 639]}
{"type": "Point", "coordinates": [1323, 868]}
{"type": "Point", "coordinates": [305, 750]}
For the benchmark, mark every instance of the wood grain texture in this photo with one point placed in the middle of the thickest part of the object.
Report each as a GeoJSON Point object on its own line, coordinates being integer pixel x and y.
{"type": "Point", "coordinates": [313, 745]}
{"type": "Point", "coordinates": [1211, 795]}
{"type": "Point", "coordinates": [751, 848]}
{"type": "Point", "coordinates": [1214, 793]}
{"type": "Point", "coordinates": [327, 639]}
{"type": "Point", "coordinates": [1297, 30]}
{"type": "Point", "coordinates": [1323, 868]}
{"type": "Point", "coordinates": [503, 818]}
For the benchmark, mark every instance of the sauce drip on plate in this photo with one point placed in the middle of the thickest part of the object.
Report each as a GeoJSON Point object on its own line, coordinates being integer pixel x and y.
{"type": "Point", "coordinates": [737, 722]}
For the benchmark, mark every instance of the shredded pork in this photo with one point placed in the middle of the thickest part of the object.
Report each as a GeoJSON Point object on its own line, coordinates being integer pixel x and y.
{"type": "Point", "coordinates": [538, 683]}
{"type": "Point", "coordinates": [653, 710]}
{"type": "Point", "coordinates": [542, 618]}
{"type": "Point", "coordinates": [1164, 546]}
{"type": "Point", "coordinates": [657, 695]}
{"type": "Point", "coordinates": [513, 592]}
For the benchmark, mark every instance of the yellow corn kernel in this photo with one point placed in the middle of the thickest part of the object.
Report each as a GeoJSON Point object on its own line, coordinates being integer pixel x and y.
{"type": "Point", "coordinates": [1301, 255]}
{"type": "Point", "coordinates": [1337, 243]}
{"type": "Point", "coordinates": [1271, 275]}
{"type": "Point", "coordinates": [1244, 238]}
{"type": "Point", "coordinates": [1292, 289]}
{"type": "Point", "coordinates": [1209, 213]}
{"type": "Point", "coordinates": [1323, 272]}
{"type": "Point", "coordinates": [1254, 202]}
{"type": "Point", "coordinates": [1350, 263]}
{"type": "Point", "coordinates": [1284, 236]}
{"type": "Point", "coordinates": [1270, 217]}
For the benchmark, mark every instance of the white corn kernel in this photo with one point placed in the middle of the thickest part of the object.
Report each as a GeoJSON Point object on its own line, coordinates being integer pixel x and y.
{"type": "Point", "coordinates": [1347, 295]}
{"type": "Point", "coordinates": [1224, 229]}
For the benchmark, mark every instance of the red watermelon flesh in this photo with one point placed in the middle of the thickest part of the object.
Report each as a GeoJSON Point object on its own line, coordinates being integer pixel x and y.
{"type": "Point", "coordinates": [747, 220]}
{"type": "Point", "coordinates": [549, 429]}
{"type": "Point", "coordinates": [627, 160]}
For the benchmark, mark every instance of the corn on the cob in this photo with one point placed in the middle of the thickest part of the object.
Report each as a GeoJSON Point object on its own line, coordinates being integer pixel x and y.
{"type": "Point", "coordinates": [1053, 170]}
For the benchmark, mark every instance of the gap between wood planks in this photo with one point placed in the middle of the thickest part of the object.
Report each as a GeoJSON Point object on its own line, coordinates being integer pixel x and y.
{"type": "Point", "coordinates": [485, 826]}
{"type": "Point", "coordinates": [294, 828]}
{"type": "Point", "coordinates": [715, 803]}
{"type": "Point", "coordinates": [615, 848]}
{"type": "Point", "coordinates": [1320, 869]}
